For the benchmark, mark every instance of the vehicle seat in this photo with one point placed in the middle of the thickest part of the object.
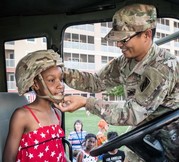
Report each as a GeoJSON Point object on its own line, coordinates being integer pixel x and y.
{"type": "Point", "coordinates": [8, 103]}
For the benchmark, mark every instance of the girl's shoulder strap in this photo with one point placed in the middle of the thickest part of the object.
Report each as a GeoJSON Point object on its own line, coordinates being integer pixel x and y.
{"type": "Point", "coordinates": [28, 108]}
{"type": "Point", "coordinates": [59, 115]}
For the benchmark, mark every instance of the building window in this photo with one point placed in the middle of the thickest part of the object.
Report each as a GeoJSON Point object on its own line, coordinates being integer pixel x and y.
{"type": "Point", "coordinates": [91, 39]}
{"type": "Point", "coordinates": [107, 24]}
{"type": "Point", "coordinates": [83, 38]}
{"type": "Point", "coordinates": [176, 40]}
{"type": "Point", "coordinates": [111, 43]}
{"type": "Point", "coordinates": [11, 77]}
{"type": "Point", "coordinates": [110, 58]}
{"type": "Point", "coordinates": [104, 24]}
{"type": "Point", "coordinates": [105, 59]}
{"type": "Point", "coordinates": [163, 21]}
{"type": "Point", "coordinates": [157, 35]}
{"type": "Point", "coordinates": [44, 39]}
{"type": "Point", "coordinates": [110, 24]}
{"type": "Point", "coordinates": [75, 57]}
{"type": "Point", "coordinates": [176, 53]}
{"type": "Point", "coordinates": [92, 94]}
{"type": "Point", "coordinates": [108, 43]}
{"type": "Point", "coordinates": [84, 94]}
{"type": "Point", "coordinates": [67, 37]}
{"type": "Point", "coordinates": [75, 38]}
{"type": "Point", "coordinates": [176, 24]}
{"type": "Point", "coordinates": [67, 56]}
{"type": "Point", "coordinates": [103, 42]}
{"type": "Point", "coordinates": [90, 58]}
{"type": "Point", "coordinates": [11, 56]}
{"type": "Point", "coordinates": [83, 58]}
{"type": "Point", "coordinates": [31, 39]}
{"type": "Point", "coordinates": [10, 42]}
{"type": "Point", "coordinates": [161, 35]}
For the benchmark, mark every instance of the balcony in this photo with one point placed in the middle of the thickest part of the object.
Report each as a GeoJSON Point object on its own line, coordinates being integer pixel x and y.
{"type": "Point", "coordinates": [10, 63]}
{"type": "Point", "coordinates": [80, 65]}
{"type": "Point", "coordinates": [176, 44]}
{"type": "Point", "coordinates": [86, 27]}
{"type": "Point", "coordinates": [163, 27]}
{"type": "Point", "coordinates": [11, 85]}
{"type": "Point", "coordinates": [79, 45]}
{"type": "Point", "coordinates": [111, 49]}
{"type": "Point", "coordinates": [104, 30]}
{"type": "Point", "coordinates": [176, 29]}
{"type": "Point", "coordinates": [10, 43]}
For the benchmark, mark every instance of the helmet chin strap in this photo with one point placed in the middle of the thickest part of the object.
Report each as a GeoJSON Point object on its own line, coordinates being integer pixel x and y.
{"type": "Point", "coordinates": [55, 99]}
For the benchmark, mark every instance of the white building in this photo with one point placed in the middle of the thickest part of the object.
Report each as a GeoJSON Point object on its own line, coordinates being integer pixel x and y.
{"type": "Point", "coordinates": [84, 49]}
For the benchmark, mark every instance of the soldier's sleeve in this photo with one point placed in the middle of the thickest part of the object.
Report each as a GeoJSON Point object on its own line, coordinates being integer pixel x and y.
{"type": "Point", "coordinates": [157, 87]}
{"type": "Point", "coordinates": [116, 113]}
{"type": "Point", "coordinates": [90, 82]}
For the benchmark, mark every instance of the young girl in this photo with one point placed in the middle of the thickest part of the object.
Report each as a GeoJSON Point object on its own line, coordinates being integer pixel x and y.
{"type": "Point", "coordinates": [90, 143]}
{"type": "Point", "coordinates": [35, 132]}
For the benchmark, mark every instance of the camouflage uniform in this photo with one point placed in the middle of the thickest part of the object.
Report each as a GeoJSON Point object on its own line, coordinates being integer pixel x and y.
{"type": "Point", "coordinates": [151, 88]}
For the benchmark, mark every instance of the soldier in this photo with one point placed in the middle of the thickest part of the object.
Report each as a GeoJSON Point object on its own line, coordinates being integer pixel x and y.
{"type": "Point", "coordinates": [150, 76]}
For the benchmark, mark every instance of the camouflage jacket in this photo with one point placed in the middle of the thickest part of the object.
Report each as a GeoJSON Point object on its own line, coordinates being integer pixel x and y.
{"type": "Point", "coordinates": [150, 83]}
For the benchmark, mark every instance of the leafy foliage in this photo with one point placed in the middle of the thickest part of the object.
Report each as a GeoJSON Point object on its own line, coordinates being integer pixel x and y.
{"type": "Point", "coordinates": [116, 91]}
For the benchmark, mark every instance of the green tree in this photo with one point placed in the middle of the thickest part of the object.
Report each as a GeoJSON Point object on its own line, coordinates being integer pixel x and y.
{"type": "Point", "coordinates": [116, 91]}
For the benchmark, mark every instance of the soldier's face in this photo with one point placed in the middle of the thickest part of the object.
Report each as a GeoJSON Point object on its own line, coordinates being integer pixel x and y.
{"type": "Point", "coordinates": [137, 47]}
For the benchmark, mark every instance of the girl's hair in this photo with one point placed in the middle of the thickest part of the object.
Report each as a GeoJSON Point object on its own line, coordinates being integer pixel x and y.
{"type": "Point", "coordinates": [78, 121]}
{"type": "Point", "coordinates": [89, 135]}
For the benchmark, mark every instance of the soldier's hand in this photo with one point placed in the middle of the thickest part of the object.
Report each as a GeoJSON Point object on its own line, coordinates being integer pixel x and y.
{"type": "Point", "coordinates": [71, 103]}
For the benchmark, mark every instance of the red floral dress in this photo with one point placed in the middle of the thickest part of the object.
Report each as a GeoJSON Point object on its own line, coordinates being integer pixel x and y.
{"type": "Point", "coordinates": [42, 145]}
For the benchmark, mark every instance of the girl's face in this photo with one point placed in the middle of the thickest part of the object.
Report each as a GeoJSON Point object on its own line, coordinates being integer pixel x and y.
{"type": "Point", "coordinates": [90, 143]}
{"type": "Point", "coordinates": [53, 78]}
{"type": "Point", "coordinates": [78, 126]}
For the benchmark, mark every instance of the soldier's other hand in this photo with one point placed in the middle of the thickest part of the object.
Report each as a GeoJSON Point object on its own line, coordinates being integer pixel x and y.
{"type": "Point", "coordinates": [71, 103]}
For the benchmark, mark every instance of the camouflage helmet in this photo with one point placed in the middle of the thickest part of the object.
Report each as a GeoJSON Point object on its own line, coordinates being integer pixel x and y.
{"type": "Point", "coordinates": [132, 19]}
{"type": "Point", "coordinates": [32, 65]}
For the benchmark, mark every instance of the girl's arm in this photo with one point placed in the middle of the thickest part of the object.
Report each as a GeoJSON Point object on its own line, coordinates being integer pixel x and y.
{"type": "Point", "coordinates": [79, 157]}
{"type": "Point", "coordinates": [16, 129]}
